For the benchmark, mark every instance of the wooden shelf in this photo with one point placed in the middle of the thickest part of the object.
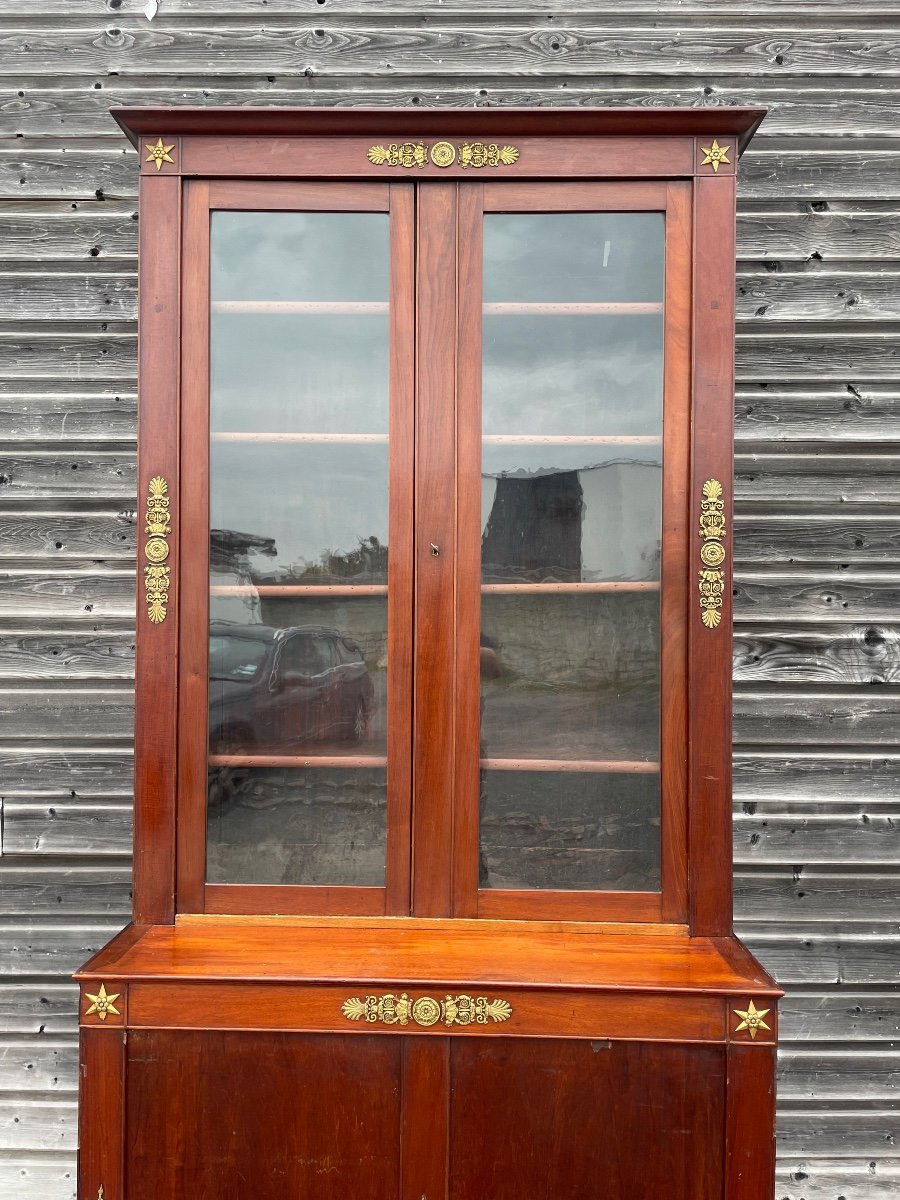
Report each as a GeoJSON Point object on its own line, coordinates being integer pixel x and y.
{"type": "Point", "coordinates": [312, 438]}
{"type": "Point", "coordinates": [381, 589]}
{"type": "Point", "coordinates": [509, 589]}
{"type": "Point", "coordinates": [489, 439]}
{"type": "Point", "coordinates": [357, 761]}
{"type": "Point", "coordinates": [567, 439]}
{"type": "Point", "coordinates": [573, 309]}
{"type": "Point", "coordinates": [350, 761]}
{"type": "Point", "coordinates": [298, 589]}
{"type": "Point", "coordinates": [583, 766]}
{"type": "Point", "coordinates": [366, 308]}
{"type": "Point", "coordinates": [560, 308]}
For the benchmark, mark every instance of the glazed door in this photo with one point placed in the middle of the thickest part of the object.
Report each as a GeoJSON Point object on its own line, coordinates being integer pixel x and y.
{"type": "Point", "coordinates": [550, 776]}
{"type": "Point", "coordinates": [294, 790]}
{"type": "Point", "coordinates": [434, 549]}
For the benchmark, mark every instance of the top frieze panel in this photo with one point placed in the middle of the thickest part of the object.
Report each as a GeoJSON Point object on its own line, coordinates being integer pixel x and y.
{"type": "Point", "coordinates": [386, 126]}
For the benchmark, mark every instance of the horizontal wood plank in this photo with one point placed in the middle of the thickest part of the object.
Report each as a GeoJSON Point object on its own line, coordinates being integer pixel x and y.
{"type": "Point", "coordinates": [66, 655]}
{"type": "Point", "coordinates": [39, 1124]}
{"type": "Point", "coordinates": [99, 714]}
{"type": "Point", "coordinates": [45, 1178]}
{"type": "Point", "coordinates": [68, 773]}
{"type": "Point", "coordinates": [359, 47]}
{"type": "Point", "coordinates": [87, 595]}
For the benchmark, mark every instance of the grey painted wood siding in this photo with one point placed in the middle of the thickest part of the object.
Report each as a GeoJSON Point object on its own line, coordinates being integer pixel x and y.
{"type": "Point", "coordinates": [817, 633]}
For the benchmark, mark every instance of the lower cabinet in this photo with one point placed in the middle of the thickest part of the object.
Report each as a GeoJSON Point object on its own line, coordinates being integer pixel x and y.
{"type": "Point", "coordinates": [547, 1120]}
{"type": "Point", "coordinates": [272, 1116]}
{"type": "Point", "coordinates": [228, 1115]}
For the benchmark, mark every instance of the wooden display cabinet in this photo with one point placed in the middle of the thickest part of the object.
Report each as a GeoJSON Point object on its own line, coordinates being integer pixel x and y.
{"type": "Point", "coordinates": [432, 884]}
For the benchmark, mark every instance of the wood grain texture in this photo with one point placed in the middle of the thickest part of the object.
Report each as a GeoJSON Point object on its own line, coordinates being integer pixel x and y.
{"type": "Point", "coordinates": [709, 650]}
{"type": "Point", "coordinates": [102, 1097]}
{"type": "Point", "coordinates": [156, 667]}
{"type": "Point", "coordinates": [435, 639]}
{"type": "Point", "coordinates": [565, 1117]}
{"type": "Point", "coordinates": [819, 189]}
{"type": "Point", "coordinates": [750, 1159]}
{"type": "Point", "coordinates": [332, 1114]}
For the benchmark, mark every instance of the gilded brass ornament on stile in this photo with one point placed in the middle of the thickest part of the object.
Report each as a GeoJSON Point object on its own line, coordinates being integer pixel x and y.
{"type": "Point", "coordinates": [474, 155]}
{"type": "Point", "coordinates": [102, 1004]}
{"type": "Point", "coordinates": [751, 1019]}
{"type": "Point", "coordinates": [394, 1009]}
{"type": "Point", "coordinates": [159, 153]}
{"type": "Point", "coordinates": [715, 155]}
{"type": "Point", "coordinates": [711, 580]}
{"type": "Point", "coordinates": [157, 577]}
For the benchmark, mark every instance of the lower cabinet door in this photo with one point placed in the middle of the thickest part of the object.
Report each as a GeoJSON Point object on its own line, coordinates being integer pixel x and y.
{"type": "Point", "coordinates": [538, 1119]}
{"type": "Point", "coordinates": [227, 1116]}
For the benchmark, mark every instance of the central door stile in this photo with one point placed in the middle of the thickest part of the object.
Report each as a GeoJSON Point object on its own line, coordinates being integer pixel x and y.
{"type": "Point", "coordinates": [434, 680]}
{"type": "Point", "coordinates": [468, 571]}
{"type": "Point", "coordinates": [401, 568]}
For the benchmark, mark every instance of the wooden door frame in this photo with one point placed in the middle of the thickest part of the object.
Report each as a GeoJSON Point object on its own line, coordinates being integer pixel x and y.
{"type": "Point", "coordinates": [194, 894]}
{"type": "Point", "coordinates": [670, 904]}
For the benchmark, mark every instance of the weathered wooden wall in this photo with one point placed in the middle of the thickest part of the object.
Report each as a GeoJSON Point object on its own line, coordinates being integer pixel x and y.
{"type": "Point", "coordinates": [817, 649]}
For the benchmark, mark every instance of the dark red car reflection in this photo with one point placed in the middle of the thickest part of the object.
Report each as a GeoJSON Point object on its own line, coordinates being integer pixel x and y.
{"type": "Point", "coordinates": [280, 688]}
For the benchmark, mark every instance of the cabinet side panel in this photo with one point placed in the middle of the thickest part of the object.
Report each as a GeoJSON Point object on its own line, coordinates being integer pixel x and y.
{"type": "Point", "coordinates": [157, 638]}
{"type": "Point", "coordinates": [271, 1115]}
{"type": "Point", "coordinates": [709, 821]}
{"type": "Point", "coordinates": [750, 1151]}
{"type": "Point", "coordinates": [581, 1119]}
{"type": "Point", "coordinates": [101, 1095]}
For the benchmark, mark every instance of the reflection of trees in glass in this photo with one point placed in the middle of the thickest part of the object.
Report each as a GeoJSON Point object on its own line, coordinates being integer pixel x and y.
{"type": "Point", "coordinates": [369, 561]}
{"type": "Point", "coordinates": [230, 550]}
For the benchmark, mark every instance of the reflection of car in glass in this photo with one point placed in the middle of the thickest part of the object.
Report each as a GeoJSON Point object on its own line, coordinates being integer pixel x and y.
{"type": "Point", "coordinates": [275, 688]}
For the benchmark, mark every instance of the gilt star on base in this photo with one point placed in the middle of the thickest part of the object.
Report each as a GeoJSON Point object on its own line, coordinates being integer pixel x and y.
{"type": "Point", "coordinates": [103, 1003]}
{"type": "Point", "coordinates": [159, 153]}
{"type": "Point", "coordinates": [751, 1019]}
{"type": "Point", "coordinates": [715, 154]}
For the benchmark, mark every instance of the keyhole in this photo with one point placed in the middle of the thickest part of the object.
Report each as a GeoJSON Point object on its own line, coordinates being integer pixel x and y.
{"type": "Point", "coordinates": [435, 550]}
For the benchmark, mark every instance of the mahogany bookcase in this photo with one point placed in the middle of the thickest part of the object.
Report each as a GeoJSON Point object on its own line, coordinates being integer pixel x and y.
{"type": "Point", "coordinates": [432, 882]}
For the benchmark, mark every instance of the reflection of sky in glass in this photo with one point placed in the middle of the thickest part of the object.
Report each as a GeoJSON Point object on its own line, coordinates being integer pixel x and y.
{"type": "Point", "coordinates": [310, 373]}
{"type": "Point", "coordinates": [570, 375]}
{"type": "Point", "coordinates": [567, 374]}
{"type": "Point", "coordinates": [573, 256]}
{"type": "Point", "coordinates": [299, 256]}
{"type": "Point", "coordinates": [308, 498]}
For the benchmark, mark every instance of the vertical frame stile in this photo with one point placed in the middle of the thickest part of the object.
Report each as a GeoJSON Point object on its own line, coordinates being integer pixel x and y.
{"type": "Point", "coordinates": [425, 1088]}
{"type": "Point", "coordinates": [194, 565]}
{"type": "Point", "coordinates": [155, 753]}
{"type": "Point", "coordinates": [468, 553]}
{"type": "Point", "coordinates": [434, 637]}
{"type": "Point", "coordinates": [709, 762]}
{"type": "Point", "coordinates": [750, 1122]}
{"type": "Point", "coordinates": [675, 552]}
{"type": "Point", "coordinates": [400, 547]}
{"type": "Point", "coordinates": [101, 1113]}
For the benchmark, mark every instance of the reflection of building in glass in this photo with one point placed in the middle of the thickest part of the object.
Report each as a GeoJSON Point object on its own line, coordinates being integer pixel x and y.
{"type": "Point", "coordinates": [534, 528]}
{"type": "Point", "coordinates": [232, 558]}
{"type": "Point", "coordinates": [590, 524]}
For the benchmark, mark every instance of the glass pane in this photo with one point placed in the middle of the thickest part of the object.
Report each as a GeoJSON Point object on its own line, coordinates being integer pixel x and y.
{"type": "Point", "coordinates": [271, 825]}
{"type": "Point", "coordinates": [298, 548]}
{"type": "Point", "coordinates": [571, 538]}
